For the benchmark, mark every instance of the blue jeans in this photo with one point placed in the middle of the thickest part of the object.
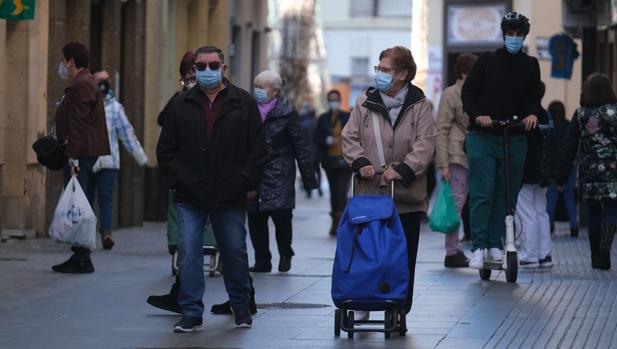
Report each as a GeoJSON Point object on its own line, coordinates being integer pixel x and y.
{"type": "Point", "coordinates": [102, 183]}
{"type": "Point", "coordinates": [568, 197]}
{"type": "Point", "coordinates": [230, 234]}
{"type": "Point", "coordinates": [84, 175]}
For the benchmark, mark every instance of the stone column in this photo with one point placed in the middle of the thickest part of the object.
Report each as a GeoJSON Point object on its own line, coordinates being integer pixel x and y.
{"type": "Point", "coordinates": [131, 176]}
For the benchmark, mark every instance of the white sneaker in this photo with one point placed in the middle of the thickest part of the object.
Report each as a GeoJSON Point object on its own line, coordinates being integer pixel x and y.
{"type": "Point", "coordinates": [477, 259]}
{"type": "Point", "coordinates": [495, 254]}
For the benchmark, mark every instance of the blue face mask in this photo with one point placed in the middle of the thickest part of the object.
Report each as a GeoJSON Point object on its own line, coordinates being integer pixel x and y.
{"type": "Point", "coordinates": [209, 78]}
{"type": "Point", "coordinates": [383, 81]}
{"type": "Point", "coordinates": [514, 43]}
{"type": "Point", "coordinates": [261, 95]}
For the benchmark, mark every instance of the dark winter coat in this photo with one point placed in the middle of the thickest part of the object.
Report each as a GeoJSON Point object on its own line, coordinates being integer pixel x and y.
{"type": "Point", "coordinates": [308, 123]}
{"type": "Point", "coordinates": [214, 173]}
{"type": "Point", "coordinates": [502, 85]}
{"type": "Point", "coordinates": [538, 159]}
{"type": "Point", "coordinates": [323, 131]}
{"type": "Point", "coordinates": [286, 145]}
{"type": "Point", "coordinates": [595, 129]}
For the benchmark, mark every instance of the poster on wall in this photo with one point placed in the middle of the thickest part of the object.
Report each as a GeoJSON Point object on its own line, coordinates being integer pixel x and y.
{"type": "Point", "coordinates": [474, 24]}
{"type": "Point", "coordinates": [17, 10]}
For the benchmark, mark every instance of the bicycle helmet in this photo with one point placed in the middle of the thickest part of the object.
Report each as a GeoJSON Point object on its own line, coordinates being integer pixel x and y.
{"type": "Point", "coordinates": [515, 21]}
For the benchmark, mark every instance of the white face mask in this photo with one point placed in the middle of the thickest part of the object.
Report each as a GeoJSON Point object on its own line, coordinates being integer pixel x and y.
{"type": "Point", "coordinates": [63, 71]}
{"type": "Point", "coordinates": [334, 105]}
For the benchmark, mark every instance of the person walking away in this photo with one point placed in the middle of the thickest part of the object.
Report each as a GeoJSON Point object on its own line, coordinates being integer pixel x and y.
{"type": "Point", "coordinates": [452, 125]}
{"type": "Point", "coordinates": [593, 129]}
{"type": "Point", "coordinates": [308, 124]}
{"type": "Point", "coordinates": [276, 196]}
{"type": "Point", "coordinates": [407, 130]}
{"type": "Point", "coordinates": [105, 169]}
{"type": "Point", "coordinates": [81, 128]}
{"type": "Point", "coordinates": [212, 150]}
{"type": "Point", "coordinates": [535, 236]}
{"type": "Point", "coordinates": [329, 142]}
{"type": "Point", "coordinates": [502, 84]}
{"type": "Point", "coordinates": [557, 137]}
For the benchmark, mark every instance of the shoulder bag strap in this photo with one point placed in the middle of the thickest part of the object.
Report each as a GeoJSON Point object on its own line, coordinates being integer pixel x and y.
{"type": "Point", "coordinates": [377, 131]}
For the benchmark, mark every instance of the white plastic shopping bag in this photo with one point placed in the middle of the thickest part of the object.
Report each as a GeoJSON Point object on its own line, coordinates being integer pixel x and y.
{"type": "Point", "coordinates": [74, 221]}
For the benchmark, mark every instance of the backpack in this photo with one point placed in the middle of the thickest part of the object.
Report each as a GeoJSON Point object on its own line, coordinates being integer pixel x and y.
{"type": "Point", "coordinates": [370, 265]}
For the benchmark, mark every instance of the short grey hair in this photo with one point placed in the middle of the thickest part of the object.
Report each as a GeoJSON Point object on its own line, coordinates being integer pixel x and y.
{"type": "Point", "coordinates": [269, 77]}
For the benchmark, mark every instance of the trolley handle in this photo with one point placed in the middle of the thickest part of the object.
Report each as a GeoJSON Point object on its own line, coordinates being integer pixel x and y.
{"type": "Point", "coordinates": [378, 173]}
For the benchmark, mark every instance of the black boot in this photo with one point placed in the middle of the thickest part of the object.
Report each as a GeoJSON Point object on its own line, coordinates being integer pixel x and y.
{"type": "Point", "coordinates": [225, 308]}
{"type": "Point", "coordinates": [261, 267]}
{"type": "Point", "coordinates": [594, 246]}
{"type": "Point", "coordinates": [78, 263]}
{"type": "Point", "coordinates": [574, 232]}
{"type": "Point", "coordinates": [284, 264]}
{"type": "Point", "coordinates": [168, 301]}
{"type": "Point", "coordinates": [603, 260]}
{"type": "Point", "coordinates": [336, 219]}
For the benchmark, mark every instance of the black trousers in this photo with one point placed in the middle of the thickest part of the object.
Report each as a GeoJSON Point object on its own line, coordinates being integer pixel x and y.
{"type": "Point", "coordinates": [338, 181]}
{"type": "Point", "coordinates": [411, 226]}
{"type": "Point", "coordinates": [601, 230]}
{"type": "Point", "coordinates": [260, 234]}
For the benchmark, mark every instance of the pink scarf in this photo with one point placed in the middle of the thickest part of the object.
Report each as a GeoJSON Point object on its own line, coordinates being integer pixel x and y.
{"type": "Point", "coordinates": [267, 107]}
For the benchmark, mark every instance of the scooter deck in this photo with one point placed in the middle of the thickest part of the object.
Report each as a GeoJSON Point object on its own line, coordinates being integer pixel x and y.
{"type": "Point", "coordinates": [493, 265]}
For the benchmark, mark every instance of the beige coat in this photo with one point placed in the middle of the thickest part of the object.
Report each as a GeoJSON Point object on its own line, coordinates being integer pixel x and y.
{"type": "Point", "coordinates": [452, 125]}
{"type": "Point", "coordinates": [408, 146]}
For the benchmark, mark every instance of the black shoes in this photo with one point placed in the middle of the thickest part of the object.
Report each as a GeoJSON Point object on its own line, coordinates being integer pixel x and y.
{"type": "Point", "coordinates": [261, 267]}
{"type": "Point", "coordinates": [574, 232]}
{"type": "Point", "coordinates": [243, 320]}
{"type": "Point", "coordinates": [188, 324]}
{"type": "Point", "coordinates": [75, 265]}
{"type": "Point", "coordinates": [458, 260]}
{"type": "Point", "coordinates": [225, 308]}
{"type": "Point", "coordinates": [166, 302]}
{"type": "Point", "coordinates": [284, 264]}
{"type": "Point", "coordinates": [107, 241]}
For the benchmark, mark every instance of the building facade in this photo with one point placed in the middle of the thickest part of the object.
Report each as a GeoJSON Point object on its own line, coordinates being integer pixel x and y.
{"type": "Point", "coordinates": [140, 43]}
{"type": "Point", "coordinates": [355, 32]}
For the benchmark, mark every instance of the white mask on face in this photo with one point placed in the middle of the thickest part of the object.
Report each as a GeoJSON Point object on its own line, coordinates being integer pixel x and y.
{"type": "Point", "coordinates": [63, 71]}
{"type": "Point", "coordinates": [334, 105]}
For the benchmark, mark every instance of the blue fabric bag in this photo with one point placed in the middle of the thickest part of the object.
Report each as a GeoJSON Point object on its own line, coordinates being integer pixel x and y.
{"type": "Point", "coordinates": [370, 265]}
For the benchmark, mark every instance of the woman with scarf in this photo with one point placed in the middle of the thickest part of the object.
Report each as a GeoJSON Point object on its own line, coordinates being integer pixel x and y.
{"type": "Point", "coordinates": [276, 194]}
{"type": "Point", "coordinates": [405, 125]}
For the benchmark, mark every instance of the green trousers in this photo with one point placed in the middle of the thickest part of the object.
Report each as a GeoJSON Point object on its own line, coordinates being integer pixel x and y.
{"type": "Point", "coordinates": [487, 185]}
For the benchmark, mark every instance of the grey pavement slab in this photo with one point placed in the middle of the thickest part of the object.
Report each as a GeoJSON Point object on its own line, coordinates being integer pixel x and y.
{"type": "Point", "coordinates": [568, 306]}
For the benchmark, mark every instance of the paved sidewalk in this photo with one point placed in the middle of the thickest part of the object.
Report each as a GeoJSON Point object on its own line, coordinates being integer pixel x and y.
{"type": "Point", "coordinates": [570, 306]}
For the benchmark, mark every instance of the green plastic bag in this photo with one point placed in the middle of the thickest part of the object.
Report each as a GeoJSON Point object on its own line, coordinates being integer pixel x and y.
{"type": "Point", "coordinates": [444, 218]}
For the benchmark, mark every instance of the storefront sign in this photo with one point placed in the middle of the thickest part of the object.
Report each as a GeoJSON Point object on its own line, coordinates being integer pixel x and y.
{"type": "Point", "coordinates": [17, 9]}
{"type": "Point", "coordinates": [474, 24]}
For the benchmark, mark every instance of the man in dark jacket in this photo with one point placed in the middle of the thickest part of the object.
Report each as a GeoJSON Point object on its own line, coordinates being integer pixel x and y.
{"type": "Point", "coordinates": [502, 84]}
{"type": "Point", "coordinates": [212, 150]}
{"type": "Point", "coordinates": [330, 144]}
{"type": "Point", "coordinates": [82, 129]}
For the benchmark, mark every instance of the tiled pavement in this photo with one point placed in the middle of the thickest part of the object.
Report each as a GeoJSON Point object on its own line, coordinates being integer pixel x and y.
{"type": "Point", "coordinates": [569, 306]}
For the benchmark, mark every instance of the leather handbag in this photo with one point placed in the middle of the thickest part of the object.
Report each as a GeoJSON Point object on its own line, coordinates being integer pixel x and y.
{"type": "Point", "coordinates": [50, 152]}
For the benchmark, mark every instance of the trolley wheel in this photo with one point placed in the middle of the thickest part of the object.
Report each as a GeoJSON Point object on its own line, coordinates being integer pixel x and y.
{"type": "Point", "coordinates": [512, 267]}
{"type": "Point", "coordinates": [403, 323]}
{"type": "Point", "coordinates": [350, 324]}
{"type": "Point", "coordinates": [388, 322]}
{"type": "Point", "coordinates": [485, 274]}
{"type": "Point", "coordinates": [337, 322]}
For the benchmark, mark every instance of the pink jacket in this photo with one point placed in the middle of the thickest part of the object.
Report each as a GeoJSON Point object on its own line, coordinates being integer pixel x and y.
{"type": "Point", "coordinates": [409, 145]}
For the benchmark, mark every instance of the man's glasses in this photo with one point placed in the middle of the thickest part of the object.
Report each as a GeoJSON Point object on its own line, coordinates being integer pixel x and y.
{"type": "Point", "coordinates": [202, 66]}
{"type": "Point", "coordinates": [378, 69]}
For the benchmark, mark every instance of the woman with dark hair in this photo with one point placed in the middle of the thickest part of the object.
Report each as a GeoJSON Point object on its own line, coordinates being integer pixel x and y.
{"type": "Point", "coordinates": [594, 128]}
{"type": "Point", "coordinates": [557, 112]}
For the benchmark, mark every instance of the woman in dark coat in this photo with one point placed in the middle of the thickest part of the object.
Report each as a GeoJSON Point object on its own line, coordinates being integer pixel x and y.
{"type": "Point", "coordinates": [276, 196]}
{"type": "Point", "coordinates": [594, 128]}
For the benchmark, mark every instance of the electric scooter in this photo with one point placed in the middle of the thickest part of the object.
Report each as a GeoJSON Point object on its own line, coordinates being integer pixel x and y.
{"type": "Point", "coordinates": [510, 260]}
